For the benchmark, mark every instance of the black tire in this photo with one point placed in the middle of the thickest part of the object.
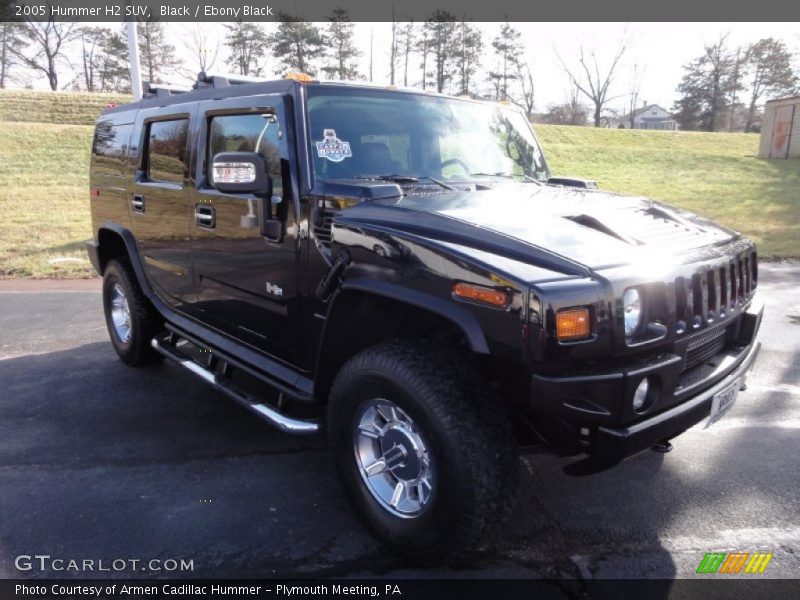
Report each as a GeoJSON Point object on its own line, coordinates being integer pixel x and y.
{"type": "Point", "coordinates": [145, 322]}
{"type": "Point", "coordinates": [469, 437]}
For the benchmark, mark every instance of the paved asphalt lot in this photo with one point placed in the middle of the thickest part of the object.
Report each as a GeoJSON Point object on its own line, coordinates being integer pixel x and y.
{"type": "Point", "coordinates": [101, 461]}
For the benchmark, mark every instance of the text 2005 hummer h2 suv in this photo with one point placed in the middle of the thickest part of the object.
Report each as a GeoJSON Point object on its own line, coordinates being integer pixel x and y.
{"type": "Point", "coordinates": [401, 267]}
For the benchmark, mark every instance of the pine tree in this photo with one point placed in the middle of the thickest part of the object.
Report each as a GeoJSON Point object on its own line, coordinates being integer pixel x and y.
{"type": "Point", "coordinates": [297, 44]}
{"type": "Point", "coordinates": [443, 44]}
{"type": "Point", "coordinates": [708, 85]}
{"type": "Point", "coordinates": [343, 52]}
{"type": "Point", "coordinates": [248, 46]}
{"type": "Point", "coordinates": [507, 49]}
{"type": "Point", "coordinates": [769, 66]}
{"type": "Point", "coordinates": [470, 47]}
{"type": "Point", "coordinates": [156, 55]}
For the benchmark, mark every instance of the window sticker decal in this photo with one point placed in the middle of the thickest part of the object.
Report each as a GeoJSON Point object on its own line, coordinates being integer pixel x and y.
{"type": "Point", "coordinates": [332, 148]}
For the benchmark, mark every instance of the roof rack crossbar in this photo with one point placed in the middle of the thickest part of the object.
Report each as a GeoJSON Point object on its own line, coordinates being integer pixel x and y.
{"type": "Point", "coordinates": [155, 90]}
{"type": "Point", "coordinates": [213, 80]}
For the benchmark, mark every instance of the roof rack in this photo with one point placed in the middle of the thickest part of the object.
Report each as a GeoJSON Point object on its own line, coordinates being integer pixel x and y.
{"type": "Point", "coordinates": [214, 80]}
{"type": "Point", "coordinates": [155, 90]}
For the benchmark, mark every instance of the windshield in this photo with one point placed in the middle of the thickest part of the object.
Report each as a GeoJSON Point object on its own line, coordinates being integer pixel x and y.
{"type": "Point", "coordinates": [358, 133]}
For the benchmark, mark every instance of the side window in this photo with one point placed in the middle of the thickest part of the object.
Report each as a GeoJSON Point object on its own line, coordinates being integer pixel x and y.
{"type": "Point", "coordinates": [166, 150]}
{"type": "Point", "coordinates": [248, 133]}
{"type": "Point", "coordinates": [109, 147]}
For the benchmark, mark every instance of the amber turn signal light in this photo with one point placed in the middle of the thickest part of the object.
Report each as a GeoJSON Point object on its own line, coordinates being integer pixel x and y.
{"type": "Point", "coordinates": [479, 293]}
{"type": "Point", "coordinates": [299, 77]}
{"type": "Point", "coordinates": [573, 324]}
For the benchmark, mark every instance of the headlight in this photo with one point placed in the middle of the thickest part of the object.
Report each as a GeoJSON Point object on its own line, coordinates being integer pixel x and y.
{"type": "Point", "coordinates": [632, 308]}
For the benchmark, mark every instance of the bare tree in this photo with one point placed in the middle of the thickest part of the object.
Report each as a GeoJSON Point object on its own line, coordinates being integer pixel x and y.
{"type": "Point", "coordinates": [634, 89]}
{"type": "Point", "coordinates": [203, 48]}
{"type": "Point", "coordinates": [393, 50]}
{"type": "Point", "coordinates": [47, 40]}
{"type": "Point", "coordinates": [408, 43]}
{"type": "Point", "coordinates": [592, 81]}
{"type": "Point", "coordinates": [525, 78]}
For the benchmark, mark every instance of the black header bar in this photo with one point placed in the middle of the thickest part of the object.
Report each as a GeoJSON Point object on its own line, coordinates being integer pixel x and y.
{"type": "Point", "coordinates": [402, 10]}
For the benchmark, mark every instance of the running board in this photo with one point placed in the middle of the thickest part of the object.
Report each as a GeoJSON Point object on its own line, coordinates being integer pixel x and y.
{"type": "Point", "coordinates": [265, 412]}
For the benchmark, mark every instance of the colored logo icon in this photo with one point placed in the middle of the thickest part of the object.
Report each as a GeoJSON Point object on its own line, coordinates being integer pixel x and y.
{"type": "Point", "coordinates": [734, 562]}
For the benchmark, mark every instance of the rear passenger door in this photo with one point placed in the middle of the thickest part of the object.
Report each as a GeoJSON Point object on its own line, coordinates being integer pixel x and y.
{"type": "Point", "coordinates": [158, 202]}
{"type": "Point", "coordinates": [247, 284]}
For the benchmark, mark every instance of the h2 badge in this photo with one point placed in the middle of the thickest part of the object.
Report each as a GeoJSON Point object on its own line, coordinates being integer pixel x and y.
{"type": "Point", "coordinates": [332, 148]}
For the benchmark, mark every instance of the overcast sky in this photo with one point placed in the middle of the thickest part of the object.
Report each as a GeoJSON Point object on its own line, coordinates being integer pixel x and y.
{"type": "Point", "coordinates": [659, 48]}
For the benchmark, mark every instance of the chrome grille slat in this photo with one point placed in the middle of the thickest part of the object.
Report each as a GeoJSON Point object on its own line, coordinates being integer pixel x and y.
{"type": "Point", "coordinates": [708, 295]}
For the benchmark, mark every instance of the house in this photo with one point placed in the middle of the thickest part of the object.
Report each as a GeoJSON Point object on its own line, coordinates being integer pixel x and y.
{"type": "Point", "coordinates": [780, 129]}
{"type": "Point", "coordinates": [649, 116]}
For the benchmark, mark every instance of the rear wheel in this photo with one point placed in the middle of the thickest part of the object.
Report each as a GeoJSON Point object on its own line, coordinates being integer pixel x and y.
{"type": "Point", "coordinates": [131, 319]}
{"type": "Point", "coordinates": [426, 458]}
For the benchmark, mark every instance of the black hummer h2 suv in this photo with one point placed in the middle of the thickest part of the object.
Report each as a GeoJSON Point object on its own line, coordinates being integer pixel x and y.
{"type": "Point", "coordinates": [401, 269]}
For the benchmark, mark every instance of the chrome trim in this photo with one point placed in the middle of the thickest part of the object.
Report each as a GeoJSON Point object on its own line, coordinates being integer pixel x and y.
{"type": "Point", "coordinates": [272, 416]}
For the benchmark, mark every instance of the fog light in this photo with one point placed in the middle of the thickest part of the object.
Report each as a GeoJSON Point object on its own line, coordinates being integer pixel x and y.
{"type": "Point", "coordinates": [640, 395]}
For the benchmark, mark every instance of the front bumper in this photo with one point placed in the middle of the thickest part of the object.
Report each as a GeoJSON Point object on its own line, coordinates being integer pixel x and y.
{"type": "Point", "coordinates": [597, 404]}
{"type": "Point", "coordinates": [613, 444]}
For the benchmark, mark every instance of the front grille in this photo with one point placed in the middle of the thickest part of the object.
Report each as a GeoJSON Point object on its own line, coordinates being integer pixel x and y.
{"type": "Point", "coordinates": [711, 294]}
{"type": "Point", "coordinates": [704, 347]}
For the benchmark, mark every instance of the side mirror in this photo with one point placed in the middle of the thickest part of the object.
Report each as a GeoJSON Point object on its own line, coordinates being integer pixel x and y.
{"type": "Point", "coordinates": [241, 173]}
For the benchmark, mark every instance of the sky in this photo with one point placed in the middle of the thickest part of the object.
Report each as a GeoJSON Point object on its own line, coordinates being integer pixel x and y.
{"type": "Point", "coordinates": [659, 49]}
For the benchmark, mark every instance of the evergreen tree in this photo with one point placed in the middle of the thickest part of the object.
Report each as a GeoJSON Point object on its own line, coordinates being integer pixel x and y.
{"type": "Point", "coordinates": [156, 55]}
{"type": "Point", "coordinates": [443, 45]}
{"type": "Point", "coordinates": [769, 66]}
{"type": "Point", "coordinates": [707, 89]}
{"type": "Point", "coordinates": [470, 47]}
{"type": "Point", "coordinates": [248, 46]}
{"type": "Point", "coordinates": [343, 52]}
{"type": "Point", "coordinates": [296, 44]}
{"type": "Point", "coordinates": [508, 50]}
{"type": "Point", "coordinates": [11, 40]}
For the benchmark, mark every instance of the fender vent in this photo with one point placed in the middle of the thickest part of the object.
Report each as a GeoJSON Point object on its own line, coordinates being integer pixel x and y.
{"type": "Point", "coordinates": [322, 232]}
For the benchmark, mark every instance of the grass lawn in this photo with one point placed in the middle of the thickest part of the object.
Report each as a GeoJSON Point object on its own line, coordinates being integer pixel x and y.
{"type": "Point", "coordinates": [715, 175]}
{"type": "Point", "coordinates": [44, 186]}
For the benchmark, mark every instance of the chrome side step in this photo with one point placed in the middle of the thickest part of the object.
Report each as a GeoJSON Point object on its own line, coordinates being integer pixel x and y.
{"type": "Point", "coordinates": [265, 412]}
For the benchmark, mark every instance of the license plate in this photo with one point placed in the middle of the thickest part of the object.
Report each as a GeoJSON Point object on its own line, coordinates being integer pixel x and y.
{"type": "Point", "coordinates": [722, 402]}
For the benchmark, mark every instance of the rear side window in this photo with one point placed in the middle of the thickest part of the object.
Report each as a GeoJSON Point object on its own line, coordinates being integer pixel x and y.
{"type": "Point", "coordinates": [166, 150]}
{"type": "Point", "coordinates": [110, 147]}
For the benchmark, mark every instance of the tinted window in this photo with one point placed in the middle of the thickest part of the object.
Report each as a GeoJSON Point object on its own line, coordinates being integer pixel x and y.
{"type": "Point", "coordinates": [109, 148]}
{"type": "Point", "coordinates": [248, 133]}
{"type": "Point", "coordinates": [166, 150]}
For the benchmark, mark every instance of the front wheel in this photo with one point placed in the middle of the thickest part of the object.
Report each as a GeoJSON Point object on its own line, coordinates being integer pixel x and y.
{"type": "Point", "coordinates": [426, 458]}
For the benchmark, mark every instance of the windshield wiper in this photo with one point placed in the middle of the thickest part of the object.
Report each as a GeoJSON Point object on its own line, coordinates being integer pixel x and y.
{"type": "Point", "coordinates": [414, 179]}
{"type": "Point", "coordinates": [507, 176]}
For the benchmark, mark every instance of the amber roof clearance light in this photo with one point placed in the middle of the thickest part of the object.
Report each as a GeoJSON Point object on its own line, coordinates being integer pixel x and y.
{"type": "Point", "coordinates": [481, 294]}
{"type": "Point", "coordinates": [573, 324]}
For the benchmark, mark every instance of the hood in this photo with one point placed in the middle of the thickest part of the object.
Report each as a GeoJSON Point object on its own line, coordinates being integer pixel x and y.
{"type": "Point", "coordinates": [592, 228]}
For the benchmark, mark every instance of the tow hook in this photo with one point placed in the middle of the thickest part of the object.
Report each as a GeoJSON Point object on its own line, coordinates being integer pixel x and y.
{"type": "Point", "coordinates": [661, 447]}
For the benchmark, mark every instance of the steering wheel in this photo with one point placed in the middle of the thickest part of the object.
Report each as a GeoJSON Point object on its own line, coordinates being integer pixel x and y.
{"type": "Point", "coordinates": [455, 161]}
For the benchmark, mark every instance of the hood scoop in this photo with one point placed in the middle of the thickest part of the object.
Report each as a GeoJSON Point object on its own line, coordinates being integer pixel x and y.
{"type": "Point", "coordinates": [650, 226]}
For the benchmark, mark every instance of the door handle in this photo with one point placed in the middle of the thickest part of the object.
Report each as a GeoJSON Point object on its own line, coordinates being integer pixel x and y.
{"type": "Point", "coordinates": [205, 216]}
{"type": "Point", "coordinates": [138, 203]}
